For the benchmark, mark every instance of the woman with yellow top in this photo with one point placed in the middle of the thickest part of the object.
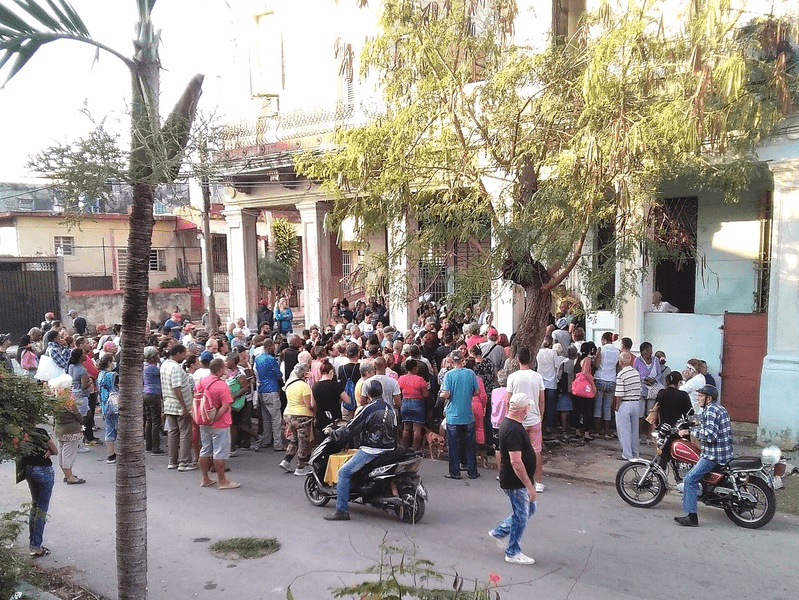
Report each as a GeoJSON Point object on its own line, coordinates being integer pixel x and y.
{"type": "Point", "coordinates": [298, 416]}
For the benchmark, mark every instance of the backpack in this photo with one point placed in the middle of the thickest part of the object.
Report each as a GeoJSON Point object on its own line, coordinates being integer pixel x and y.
{"type": "Point", "coordinates": [204, 413]}
{"type": "Point", "coordinates": [107, 381]}
{"type": "Point", "coordinates": [349, 388]}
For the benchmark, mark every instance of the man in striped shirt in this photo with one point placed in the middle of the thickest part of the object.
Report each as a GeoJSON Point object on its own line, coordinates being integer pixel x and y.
{"type": "Point", "coordinates": [627, 395]}
{"type": "Point", "coordinates": [715, 433]}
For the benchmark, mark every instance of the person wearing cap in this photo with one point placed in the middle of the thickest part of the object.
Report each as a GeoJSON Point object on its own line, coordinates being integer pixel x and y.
{"type": "Point", "coordinates": [69, 320]}
{"type": "Point", "coordinates": [47, 324]}
{"type": "Point", "coordinates": [151, 399]}
{"type": "Point", "coordinates": [206, 356]}
{"type": "Point", "coordinates": [715, 433]}
{"type": "Point", "coordinates": [517, 468]}
{"type": "Point", "coordinates": [103, 333]}
{"type": "Point", "coordinates": [457, 389]}
{"type": "Point", "coordinates": [5, 360]}
{"type": "Point", "coordinates": [189, 330]}
{"type": "Point", "coordinates": [175, 324]}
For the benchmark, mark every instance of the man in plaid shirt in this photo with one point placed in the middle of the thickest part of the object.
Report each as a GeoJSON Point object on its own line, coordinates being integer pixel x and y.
{"type": "Point", "coordinates": [715, 433]}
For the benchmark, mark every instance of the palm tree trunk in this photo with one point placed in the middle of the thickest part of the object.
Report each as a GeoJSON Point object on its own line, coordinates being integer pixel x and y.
{"type": "Point", "coordinates": [131, 482]}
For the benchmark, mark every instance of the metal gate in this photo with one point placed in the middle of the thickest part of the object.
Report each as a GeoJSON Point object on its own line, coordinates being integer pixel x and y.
{"type": "Point", "coordinates": [28, 289]}
{"type": "Point", "coordinates": [742, 363]}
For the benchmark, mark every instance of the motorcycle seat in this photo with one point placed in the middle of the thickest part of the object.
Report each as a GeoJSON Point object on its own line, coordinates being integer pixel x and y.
{"type": "Point", "coordinates": [745, 462]}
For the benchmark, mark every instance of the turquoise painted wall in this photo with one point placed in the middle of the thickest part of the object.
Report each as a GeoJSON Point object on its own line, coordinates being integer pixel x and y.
{"type": "Point", "coordinates": [684, 336]}
{"type": "Point", "coordinates": [728, 243]}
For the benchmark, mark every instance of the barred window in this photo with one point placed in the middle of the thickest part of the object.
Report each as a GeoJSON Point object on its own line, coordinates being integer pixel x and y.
{"type": "Point", "coordinates": [64, 245]}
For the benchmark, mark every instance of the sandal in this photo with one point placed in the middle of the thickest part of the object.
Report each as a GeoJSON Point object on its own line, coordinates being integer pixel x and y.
{"type": "Point", "coordinates": [44, 552]}
{"type": "Point", "coordinates": [76, 481]}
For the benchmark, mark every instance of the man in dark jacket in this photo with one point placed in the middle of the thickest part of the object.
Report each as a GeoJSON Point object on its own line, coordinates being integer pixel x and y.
{"type": "Point", "coordinates": [375, 426]}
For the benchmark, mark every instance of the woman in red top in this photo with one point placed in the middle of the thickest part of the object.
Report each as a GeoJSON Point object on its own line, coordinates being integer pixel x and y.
{"type": "Point", "coordinates": [414, 393]}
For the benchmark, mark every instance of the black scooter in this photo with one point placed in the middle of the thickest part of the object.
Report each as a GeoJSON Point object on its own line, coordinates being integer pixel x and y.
{"type": "Point", "coordinates": [390, 482]}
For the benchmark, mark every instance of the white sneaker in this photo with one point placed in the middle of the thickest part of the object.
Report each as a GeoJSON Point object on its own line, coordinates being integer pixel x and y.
{"type": "Point", "coordinates": [519, 559]}
{"type": "Point", "coordinates": [501, 543]}
{"type": "Point", "coordinates": [286, 466]}
{"type": "Point", "coordinates": [302, 472]}
{"type": "Point", "coordinates": [540, 487]}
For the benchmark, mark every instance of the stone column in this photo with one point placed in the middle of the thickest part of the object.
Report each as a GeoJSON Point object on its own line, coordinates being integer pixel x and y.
{"type": "Point", "coordinates": [316, 256]}
{"type": "Point", "coordinates": [779, 410]}
{"type": "Point", "coordinates": [403, 277]}
{"type": "Point", "coordinates": [242, 251]}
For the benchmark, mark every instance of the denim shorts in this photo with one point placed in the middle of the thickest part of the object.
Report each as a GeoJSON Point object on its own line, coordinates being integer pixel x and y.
{"type": "Point", "coordinates": [412, 410]}
{"type": "Point", "coordinates": [215, 441]}
{"type": "Point", "coordinates": [111, 421]}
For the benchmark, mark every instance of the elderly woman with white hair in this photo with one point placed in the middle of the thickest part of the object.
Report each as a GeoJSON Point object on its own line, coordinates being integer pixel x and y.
{"type": "Point", "coordinates": [68, 427]}
{"type": "Point", "coordinates": [298, 416]}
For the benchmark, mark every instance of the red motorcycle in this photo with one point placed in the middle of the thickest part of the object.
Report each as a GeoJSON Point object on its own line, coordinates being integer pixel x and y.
{"type": "Point", "coordinates": [744, 487]}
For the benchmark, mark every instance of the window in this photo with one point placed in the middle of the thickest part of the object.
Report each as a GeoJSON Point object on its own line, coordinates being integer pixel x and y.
{"type": "Point", "coordinates": [346, 269]}
{"type": "Point", "coordinates": [64, 245]}
{"type": "Point", "coordinates": [157, 260]}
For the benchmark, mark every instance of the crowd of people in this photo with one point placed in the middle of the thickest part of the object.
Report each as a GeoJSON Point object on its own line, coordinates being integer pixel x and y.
{"type": "Point", "coordinates": [450, 378]}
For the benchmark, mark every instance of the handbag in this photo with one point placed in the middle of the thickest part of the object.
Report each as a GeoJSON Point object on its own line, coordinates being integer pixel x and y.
{"type": "Point", "coordinates": [28, 360]}
{"type": "Point", "coordinates": [48, 369]}
{"type": "Point", "coordinates": [653, 418]}
{"type": "Point", "coordinates": [583, 385]}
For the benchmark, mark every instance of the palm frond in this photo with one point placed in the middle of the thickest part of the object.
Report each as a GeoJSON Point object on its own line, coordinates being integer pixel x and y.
{"type": "Point", "coordinates": [23, 32]}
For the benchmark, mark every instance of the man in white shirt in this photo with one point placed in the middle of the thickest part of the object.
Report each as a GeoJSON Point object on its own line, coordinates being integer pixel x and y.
{"type": "Point", "coordinates": [527, 381]}
{"type": "Point", "coordinates": [661, 306]}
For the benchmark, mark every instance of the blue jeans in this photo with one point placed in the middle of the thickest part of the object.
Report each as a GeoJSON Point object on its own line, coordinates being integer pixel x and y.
{"type": "Point", "coordinates": [513, 527]}
{"type": "Point", "coordinates": [40, 481]}
{"type": "Point", "coordinates": [603, 400]}
{"type": "Point", "coordinates": [358, 460]}
{"type": "Point", "coordinates": [690, 489]}
{"type": "Point", "coordinates": [461, 436]}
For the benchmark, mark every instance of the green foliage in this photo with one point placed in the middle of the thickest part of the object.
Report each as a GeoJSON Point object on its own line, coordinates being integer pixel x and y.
{"type": "Point", "coordinates": [175, 282]}
{"type": "Point", "coordinates": [272, 272]}
{"type": "Point", "coordinates": [23, 408]}
{"type": "Point", "coordinates": [13, 566]}
{"type": "Point", "coordinates": [401, 573]}
{"type": "Point", "coordinates": [83, 169]}
{"type": "Point", "coordinates": [545, 145]}
{"type": "Point", "coordinates": [287, 250]}
{"type": "Point", "coordinates": [246, 547]}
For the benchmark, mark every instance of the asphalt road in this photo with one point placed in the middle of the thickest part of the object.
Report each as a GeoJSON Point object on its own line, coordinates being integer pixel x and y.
{"type": "Point", "coordinates": [587, 543]}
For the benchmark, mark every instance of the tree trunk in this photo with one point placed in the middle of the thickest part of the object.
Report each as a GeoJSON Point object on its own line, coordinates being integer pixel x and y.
{"type": "Point", "coordinates": [131, 482]}
{"type": "Point", "coordinates": [536, 318]}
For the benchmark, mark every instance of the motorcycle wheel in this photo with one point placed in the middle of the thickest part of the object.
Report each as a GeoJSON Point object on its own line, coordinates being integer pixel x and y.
{"type": "Point", "coordinates": [646, 495]}
{"type": "Point", "coordinates": [757, 507]}
{"type": "Point", "coordinates": [413, 504]}
{"type": "Point", "coordinates": [313, 493]}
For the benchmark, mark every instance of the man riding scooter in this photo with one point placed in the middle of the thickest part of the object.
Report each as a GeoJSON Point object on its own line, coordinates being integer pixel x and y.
{"type": "Point", "coordinates": [375, 425]}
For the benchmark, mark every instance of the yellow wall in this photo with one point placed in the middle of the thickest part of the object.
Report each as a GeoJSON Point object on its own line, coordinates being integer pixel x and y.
{"type": "Point", "coordinates": [96, 242]}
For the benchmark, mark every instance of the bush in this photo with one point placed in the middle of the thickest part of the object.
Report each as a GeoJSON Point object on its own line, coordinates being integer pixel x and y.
{"type": "Point", "coordinates": [24, 407]}
{"type": "Point", "coordinates": [175, 282]}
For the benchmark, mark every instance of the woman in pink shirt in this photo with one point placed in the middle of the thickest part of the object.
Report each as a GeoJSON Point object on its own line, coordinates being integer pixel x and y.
{"type": "Point", "coordinates": [414, 393]}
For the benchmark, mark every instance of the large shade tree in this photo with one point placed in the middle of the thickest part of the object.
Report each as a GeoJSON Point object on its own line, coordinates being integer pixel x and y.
{"type": "Point", "coordinates": [541, 147]}
{"type": "Point", "coordinates": [155, 156]}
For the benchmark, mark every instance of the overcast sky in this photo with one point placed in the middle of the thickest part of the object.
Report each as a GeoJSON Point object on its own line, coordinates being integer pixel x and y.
{"type": "Point", "coordinates": [41, 105]}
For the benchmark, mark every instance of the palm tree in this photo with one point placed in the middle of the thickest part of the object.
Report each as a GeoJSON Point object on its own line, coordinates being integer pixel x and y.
{"type": "Point", "coordinates": [156, 152]}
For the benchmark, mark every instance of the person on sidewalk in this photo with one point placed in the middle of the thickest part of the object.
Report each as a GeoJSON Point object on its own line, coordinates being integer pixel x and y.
{"type": "Point", "coordinates": [527, 381]}
{"type": "Point", "coordinates": [151, 400]}
{"type": "Point", "coordinates": [626, 403]}
{"type": "Point", "coordinates": [715, 433]}
{"type": "Point", "coordinates": [457, 389]}
{"type": "Point", "coordinates": [215, 438]}
{"type": "Point", "coordinates": [270, 380]}
{"type": "Point", "coordinates": [177, 393]}
{"type": "Point", "coordinates": [38, 472]}
{"type": "Point", "coordinates": [516, 472]}
{"type": "Point", "coordinates": [375, 425]}
{"type": "Point", "coordinates": [299, 414]}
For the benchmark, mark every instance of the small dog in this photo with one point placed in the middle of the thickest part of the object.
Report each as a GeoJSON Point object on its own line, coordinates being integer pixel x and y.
{"type": "Point", "coordinates": [436, 444]}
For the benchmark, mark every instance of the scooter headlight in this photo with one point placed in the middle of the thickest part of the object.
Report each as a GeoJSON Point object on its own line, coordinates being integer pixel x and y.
{"type": "Point", "coordinates": [771, 455]}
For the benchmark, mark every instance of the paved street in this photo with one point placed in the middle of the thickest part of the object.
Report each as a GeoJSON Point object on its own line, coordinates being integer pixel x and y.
{"type": "Point", "coordinates": [588, 544]}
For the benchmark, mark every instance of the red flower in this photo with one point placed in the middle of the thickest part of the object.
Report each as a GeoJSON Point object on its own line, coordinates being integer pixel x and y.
{"type": "Point", "coordinates": [494, 577]}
